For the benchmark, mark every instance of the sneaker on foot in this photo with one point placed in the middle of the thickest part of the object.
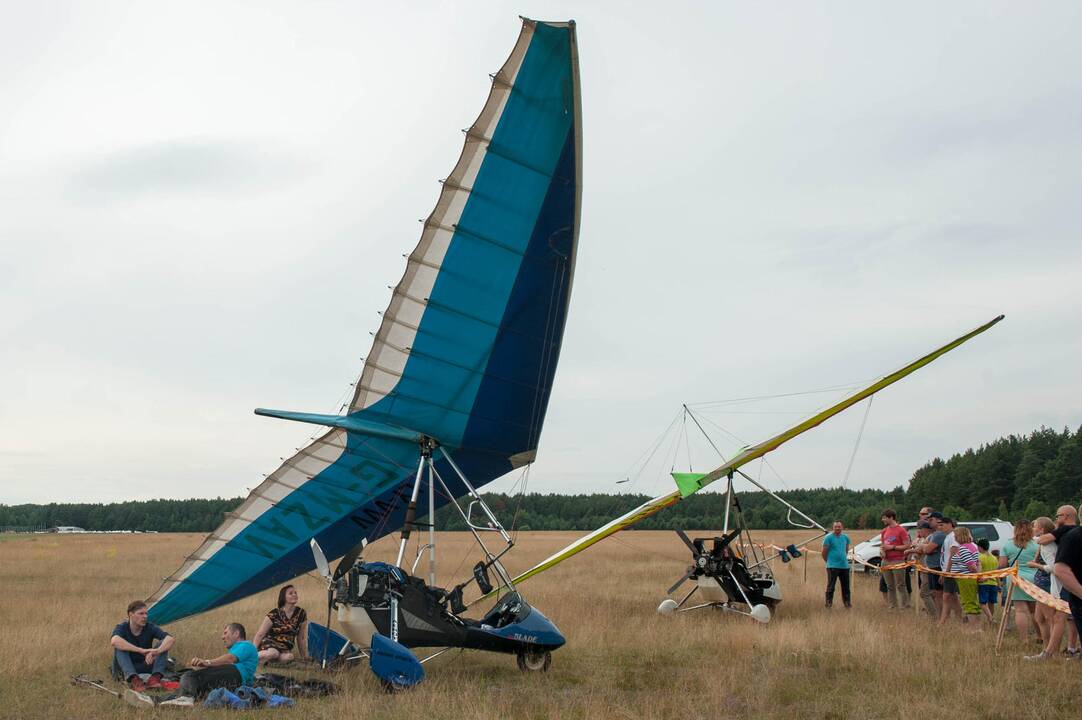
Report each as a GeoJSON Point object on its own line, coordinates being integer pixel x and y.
{"type": "Point", "coordinates": [1042, 655]}
{"type": "Point", "coordinates": [138, 699]}
{"type": "Point", "coordinates": [137, 683]}
{"type": "Point", "coordinates": [154, 682]}
{"type": "Point", "coordinates": [170, 685]}
{"type": "Point", "coordinates": [181, 701]}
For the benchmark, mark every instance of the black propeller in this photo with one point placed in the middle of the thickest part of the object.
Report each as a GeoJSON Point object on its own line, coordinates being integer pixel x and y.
{"type": "Point", "coordinates": [349, 559]}
{"type": "Point", "coordinates": [687, 541]}
{"type": "Point", "coordinates": [687, 576]}
{"type": "Point", "coordinates": [703, 561]}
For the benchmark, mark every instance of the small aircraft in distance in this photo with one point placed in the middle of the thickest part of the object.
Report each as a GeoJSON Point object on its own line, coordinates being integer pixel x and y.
{"type": "Point", "coordinates": [730, 571]}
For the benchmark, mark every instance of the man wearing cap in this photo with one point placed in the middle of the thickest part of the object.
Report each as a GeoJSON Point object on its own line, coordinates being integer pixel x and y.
{"type": "Point", "coordinates": [930, 549]}
{"type": "Point", "coordinates": [924, 531]}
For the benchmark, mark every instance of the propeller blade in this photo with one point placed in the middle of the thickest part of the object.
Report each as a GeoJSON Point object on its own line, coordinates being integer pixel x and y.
{"type": "Point", "coordinates": [681, 581]}
{"type": "Point", "coordinates": [348, 559]}
{"type": "Point", "coordinates": [321, 560]}
{"type": "Point", "coordinates": [687, 541]}
{"type": "Point", "coordinates": [330, 605]}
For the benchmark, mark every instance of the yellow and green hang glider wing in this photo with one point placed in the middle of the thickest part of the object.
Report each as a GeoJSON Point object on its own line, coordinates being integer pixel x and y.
{"type": "Point", "coordinates": [690, 483]}
{"type": "Point", "coordinates": [757, 451]}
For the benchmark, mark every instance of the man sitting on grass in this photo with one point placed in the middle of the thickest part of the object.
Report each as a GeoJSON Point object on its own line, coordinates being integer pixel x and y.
{"type": "Point", "coordinates": [230, 670]}
{"type": "Point", "coordinates": [134, 651]}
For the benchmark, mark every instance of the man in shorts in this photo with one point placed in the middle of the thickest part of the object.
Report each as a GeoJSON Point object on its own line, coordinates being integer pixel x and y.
{"type": "Point", "coordinates": [931, 549]}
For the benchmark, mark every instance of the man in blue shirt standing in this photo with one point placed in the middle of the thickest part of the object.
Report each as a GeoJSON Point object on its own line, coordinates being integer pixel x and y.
{"type": "Point", "coordinates": [134, 651]}
{"type": "Point", "coordinates": [836, 554]}
{"type": "Point", "coordinates": [230, 670]}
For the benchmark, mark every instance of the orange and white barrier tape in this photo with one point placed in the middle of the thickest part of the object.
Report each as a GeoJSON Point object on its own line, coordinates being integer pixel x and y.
{"type": "Point", "coordinates": [988, 574]}
{"type": "Point", "coordinates": [1041, 596]}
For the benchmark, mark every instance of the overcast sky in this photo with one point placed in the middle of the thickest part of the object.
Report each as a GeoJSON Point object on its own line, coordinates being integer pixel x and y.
{"type": "Point", "coordinates": [202, 206]}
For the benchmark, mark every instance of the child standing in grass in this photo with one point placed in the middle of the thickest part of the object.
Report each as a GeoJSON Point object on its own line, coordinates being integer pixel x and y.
{"type": "Point", "coordinates": [964, 558]}
{"type": "Point", "coordinates": [987, 588]}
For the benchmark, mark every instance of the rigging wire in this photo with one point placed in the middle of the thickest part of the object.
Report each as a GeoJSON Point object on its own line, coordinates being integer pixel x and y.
{"type": "Point", "coordinates": [670, 457]}
{"type": "Point", "coordinates": [682, 437]}
{"type": "Point", "coordinates": [632, 474]}
{"type": "Point", "coordinates": [733, 401]}
{"type": "Point", "coordinates": [708, 438]}
{"type": "Point", "coordinates": [856, 446]}
{"type": "Point", "coordinates": [744, 443]}
{"type": "Point", "coordinates": [523, 483]}
{"type": "Point", "coordinates": [687, 440]}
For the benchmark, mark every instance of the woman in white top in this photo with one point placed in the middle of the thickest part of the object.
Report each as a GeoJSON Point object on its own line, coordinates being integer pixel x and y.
{"type": "Point", "coordinates": [1046, 580]}
{"type": "Point", "coordinates": [1057, 621]}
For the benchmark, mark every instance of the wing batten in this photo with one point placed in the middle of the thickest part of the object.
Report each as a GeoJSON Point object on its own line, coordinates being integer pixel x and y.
{"type": "Point", "coordinates": [451, 202]}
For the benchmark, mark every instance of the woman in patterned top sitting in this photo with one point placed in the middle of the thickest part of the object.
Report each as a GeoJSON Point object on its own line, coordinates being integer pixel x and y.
{"type": "Point", "coordinates": [282, 628]}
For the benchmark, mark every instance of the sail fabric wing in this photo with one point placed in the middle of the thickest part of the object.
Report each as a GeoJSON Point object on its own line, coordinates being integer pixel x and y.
{"type": "Point", "coordinates": [465, 354]}
{"type": "Point", "coordinates": [690, 483]}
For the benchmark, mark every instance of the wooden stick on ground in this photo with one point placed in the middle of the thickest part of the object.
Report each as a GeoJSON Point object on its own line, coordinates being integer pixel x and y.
{"type": "Point", "coordinates": [1006, 613]}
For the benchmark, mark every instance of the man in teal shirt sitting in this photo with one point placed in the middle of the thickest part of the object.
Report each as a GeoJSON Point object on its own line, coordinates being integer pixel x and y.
{"type": "Point", "coordinates": [836, 554]}
{"type": "Point", "coordinates": [230, 670]}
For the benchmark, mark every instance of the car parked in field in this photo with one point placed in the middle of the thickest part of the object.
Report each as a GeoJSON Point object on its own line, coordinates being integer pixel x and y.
{"type": "Point", "coordinates": [997, 532]}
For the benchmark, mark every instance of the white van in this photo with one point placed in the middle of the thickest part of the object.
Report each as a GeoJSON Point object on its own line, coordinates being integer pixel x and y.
{"type": "Point", "coordinates": [996, 532]}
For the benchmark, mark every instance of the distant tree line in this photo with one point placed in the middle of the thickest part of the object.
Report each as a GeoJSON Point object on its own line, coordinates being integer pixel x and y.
{"type": "Point", "coordinates": [1016, 476]}
{"type": "Point", "coordinates": [704, 510]}
{"type": "Point", "coordinates": [162, 515]}
{"type": "Point", "coordinates": [1013, 477]}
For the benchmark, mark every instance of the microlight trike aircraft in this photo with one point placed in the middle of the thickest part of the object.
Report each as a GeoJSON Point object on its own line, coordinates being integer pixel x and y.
{"type": "Point", "coordinates": [731, 579]}
{"type": "Point", "coordinates": [452, 395]}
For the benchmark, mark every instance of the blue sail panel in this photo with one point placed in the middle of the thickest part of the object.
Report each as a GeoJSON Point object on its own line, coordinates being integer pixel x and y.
{"type": "Point", "coordinates": [466, 352]}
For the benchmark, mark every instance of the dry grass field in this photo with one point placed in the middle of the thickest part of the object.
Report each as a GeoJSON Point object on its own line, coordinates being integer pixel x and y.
{"type": "Point", "coordinates": [63, 594]}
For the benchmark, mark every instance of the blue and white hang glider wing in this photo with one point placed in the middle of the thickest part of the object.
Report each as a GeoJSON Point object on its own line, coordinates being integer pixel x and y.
{"type": "Point", "coordinates": [465, 354]}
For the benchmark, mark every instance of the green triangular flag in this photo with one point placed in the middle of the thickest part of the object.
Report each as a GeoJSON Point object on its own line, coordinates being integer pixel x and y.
{"type": "Point", "coordinates": [688, 482]}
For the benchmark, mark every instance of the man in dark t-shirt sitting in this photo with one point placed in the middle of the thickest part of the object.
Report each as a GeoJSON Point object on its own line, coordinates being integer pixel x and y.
{"type": "Point", "coordinates": [134, 651]}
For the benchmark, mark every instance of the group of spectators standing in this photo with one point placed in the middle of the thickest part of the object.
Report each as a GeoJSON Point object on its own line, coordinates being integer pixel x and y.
{"type": "Point", "coordinates": [1047, 552]}
{"type": "Point", "coordinates": [142, 648]}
